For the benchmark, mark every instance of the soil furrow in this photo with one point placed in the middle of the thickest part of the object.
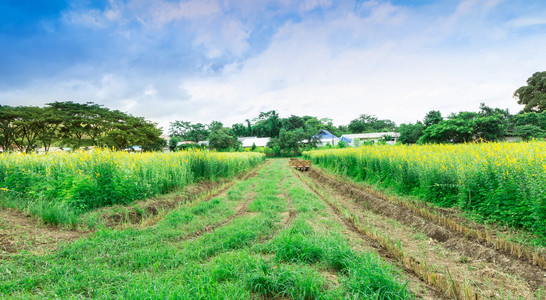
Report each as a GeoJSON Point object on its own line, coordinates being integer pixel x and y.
{"type": "Point", "coordinates": [431, 291]}
{"type": "Point", "coordinates": [243, 209]}
{"type": "Point", "coordinates": [454, 241]}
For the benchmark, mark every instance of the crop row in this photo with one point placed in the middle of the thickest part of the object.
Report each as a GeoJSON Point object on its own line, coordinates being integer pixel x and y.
{"type": "Point", "coordinates": [83, 181]}
{"type": "Point", "coordinates": [502, 182]}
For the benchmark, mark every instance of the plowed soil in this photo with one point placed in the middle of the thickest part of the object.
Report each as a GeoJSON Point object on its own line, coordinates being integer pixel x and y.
{"type": "Point", "coordinates": [487, 271]}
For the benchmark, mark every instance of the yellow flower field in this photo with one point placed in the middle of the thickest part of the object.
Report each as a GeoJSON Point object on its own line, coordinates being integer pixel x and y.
{"type": "Point", "coordinates": [87, 180]}
{"type": "Point", "coordinates": [502, 182]}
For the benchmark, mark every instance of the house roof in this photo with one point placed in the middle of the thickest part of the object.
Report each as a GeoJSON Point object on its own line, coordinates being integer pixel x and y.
{"type": "Point", "coordinates": [324, 134]}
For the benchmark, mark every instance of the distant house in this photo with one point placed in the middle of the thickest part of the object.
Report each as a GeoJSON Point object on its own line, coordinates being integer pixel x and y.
{"type": "Point", "coordinates": [326, 137]}
{"type": "Point", "coordinates": [253, 140]}
{"type": "Point", "coordinates": [374, 137]}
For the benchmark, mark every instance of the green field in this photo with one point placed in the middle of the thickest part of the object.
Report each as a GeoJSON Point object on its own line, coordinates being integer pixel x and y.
{"type": "Point", "coordinates": [261, 238]}
{"type": "Point", "coordinates": [206, 225]}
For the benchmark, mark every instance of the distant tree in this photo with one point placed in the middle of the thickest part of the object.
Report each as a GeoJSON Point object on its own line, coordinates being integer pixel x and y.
{"type": "Point", "coordinates": [30, 124]}
{"type": "Point", "coordinates": [410, 133]}
{"type": "Point", "coordinates": [433, 117]}
{"type": "Point", "coordinates": [222, 139]}
{"type": "Point", "coordinates": [240, 129]}
{"type": "Point", "coordinates": [268, 124]}
{"type": "Point", "coordinates": [293, 122]}
{"type": "Point", "coordinates": [533, 95]}
{"type": "Point", "coordinates": [491, 124]}
{"type": "Point", "coordinates": [187, 131]}
{"type": "Point", "coordinates": [173, 143]}
{"type": "Point", "coordinates": [530, 118]}
{"type": "Point", "coordinates": [289, 142]}
{"type": "Point", "coordinates": [456, 129]}
{"type": "Point", "coordinates": [215, 126]}
{"type": "Point", "coordinates": [528, 132]}
{"type": "Point", "coordinates": [370, 123]}
{"type": "Point", "coordinates": [7, 127]}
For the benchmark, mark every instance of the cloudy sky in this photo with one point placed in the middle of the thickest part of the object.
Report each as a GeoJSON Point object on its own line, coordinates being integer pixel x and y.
{"type": "Point", "coordinates": [228, 60]}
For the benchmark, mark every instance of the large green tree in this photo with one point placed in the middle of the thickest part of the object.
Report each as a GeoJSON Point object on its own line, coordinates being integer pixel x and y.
{"type": "Point", "coordinates": [370, 123]}
{"type": "Point", "coordinates": [533, 95]}
{"type": "Point", "coordinates": [73, 124]}
{"type": "Point", "coordinates": [222, 139]}
{"type": "Point", "coordinates": [410, 133]}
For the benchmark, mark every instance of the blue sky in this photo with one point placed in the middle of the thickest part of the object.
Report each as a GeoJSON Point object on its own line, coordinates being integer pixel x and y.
{"type": "Point", "coordinates": [228, 60]}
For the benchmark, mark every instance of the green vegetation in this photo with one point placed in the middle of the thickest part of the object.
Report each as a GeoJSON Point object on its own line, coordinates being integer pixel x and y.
{"type": "Point", "coordinates": [533, 95]}
{"type": "Point", "coordinates": [60, 186]}
{"type": "Point", "coordinates": [213, 250]}
{"type": "Point", "coordinates": [26, 128]}
{"type": "Point", "coordinates": [502, 182]}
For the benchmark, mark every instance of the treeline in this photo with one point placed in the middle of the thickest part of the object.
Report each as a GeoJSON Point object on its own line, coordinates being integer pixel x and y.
{"type": "Point", "coordinates": [489, 124]}
{"type": "Point", "coordinates": [289, 136]}
{"type": "Point", "coordinates": [26, 128]}
{"type": "Point", "coordinates": [292, 135]}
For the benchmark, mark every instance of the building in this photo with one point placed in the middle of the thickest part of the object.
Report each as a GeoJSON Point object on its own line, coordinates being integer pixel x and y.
{"type": "Point", "coordinates": [326, 137]}
{"type": "Point", "coordinates": [357, 139]}
{"type": "Point", "coordinates": [253, 140]}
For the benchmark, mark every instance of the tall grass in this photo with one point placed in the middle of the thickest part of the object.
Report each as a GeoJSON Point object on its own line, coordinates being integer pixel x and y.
{"type": "Point", "coordinates": [503, 182]}
{"type": "Point", "coordinates": [82, 181]}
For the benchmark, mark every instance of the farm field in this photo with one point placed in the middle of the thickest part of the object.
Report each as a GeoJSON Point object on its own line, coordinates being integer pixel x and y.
{"type": "Point", "coordinates": [498, 182]}
{"type": "Point", "coordinates": [60, 187]}
{"type": "Point", "coordinates": [273, 233]}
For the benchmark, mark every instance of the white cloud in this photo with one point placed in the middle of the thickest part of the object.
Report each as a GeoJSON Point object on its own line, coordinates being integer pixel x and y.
{"type": "Point", "coordinates": [396, 62]}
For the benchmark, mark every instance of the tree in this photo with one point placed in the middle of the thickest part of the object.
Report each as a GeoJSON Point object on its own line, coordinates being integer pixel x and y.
{"type": "Point", "coordinates": [533, 95]}
{"type": "Point", "coordinates": [289, 142]}
{"type": "Point", "coordinates": [433, 117]}
{"type": "Point", "coordinates": [222, 139]}
{"type": "Point", "coordinates": [7, 127]}
{"type": "Point", "coordinates": [370, 123]}
{"type": "Point", "coordinates": [410, 133]}
{"type": "Point", "coordinates": [240, 129]}
{"type": "Point", "coordinates": [527, 132]}
{"type": "Point", "coordinates": [268, 124]}
{"type": "Point", "coordinates": [491, 124]}
{"type": "Point", "coordinates": [456, 129]}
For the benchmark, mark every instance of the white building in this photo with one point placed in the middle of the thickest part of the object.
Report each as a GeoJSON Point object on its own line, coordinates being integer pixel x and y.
{"type": "Point", "coordinates": [374, 137]}
{"type": "Point", "coordinates": [253, 140]}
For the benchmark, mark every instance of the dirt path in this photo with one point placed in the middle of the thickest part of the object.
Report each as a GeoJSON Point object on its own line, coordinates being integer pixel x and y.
{"type": "Point", "coordinates": [429, 249]}
{"type": "Point", "coordinates": [20, 232]}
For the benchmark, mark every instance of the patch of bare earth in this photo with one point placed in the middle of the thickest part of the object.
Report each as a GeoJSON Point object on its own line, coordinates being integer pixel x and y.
{"type": "Point", "coordinates": [490, 272]}
{"type": "Point", "coordinates": [19, 232]}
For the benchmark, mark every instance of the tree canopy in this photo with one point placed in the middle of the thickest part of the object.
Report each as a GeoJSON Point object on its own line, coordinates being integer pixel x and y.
{"type": "Point", "coordinates": [75, 125]}
{"type": "Point", "coordinates": [533, 95]}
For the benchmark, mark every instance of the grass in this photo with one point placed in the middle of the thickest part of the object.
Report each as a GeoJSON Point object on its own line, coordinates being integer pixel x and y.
{"type": "Point", "coordinates": [255, 255]}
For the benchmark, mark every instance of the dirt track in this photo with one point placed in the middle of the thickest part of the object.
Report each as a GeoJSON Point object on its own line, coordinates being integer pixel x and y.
{"type": "Point", "coordinates": [477, 269]}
